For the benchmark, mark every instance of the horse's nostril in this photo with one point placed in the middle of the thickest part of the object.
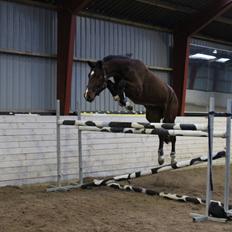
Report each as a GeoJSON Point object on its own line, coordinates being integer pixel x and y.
{"type": "Point", "coordinates": [88, 98]}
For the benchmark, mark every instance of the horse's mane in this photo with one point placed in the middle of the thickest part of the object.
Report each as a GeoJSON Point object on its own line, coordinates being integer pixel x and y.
{"type": "Point", "coordinates": [115, 57]}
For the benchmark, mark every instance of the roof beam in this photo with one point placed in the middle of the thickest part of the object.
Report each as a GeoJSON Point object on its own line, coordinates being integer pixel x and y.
{"type": "Point", "coordinates": [182, 9]}
{"type": "Point", "coordinates": [197, 21]}
{"type": "Point", "coordinates": [75, 6]}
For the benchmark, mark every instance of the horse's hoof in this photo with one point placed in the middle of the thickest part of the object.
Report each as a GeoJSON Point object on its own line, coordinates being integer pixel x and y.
{"type": "Point", "coordinates": [129, 106]}
{"type": "Point", "coordinates": [161, 160]}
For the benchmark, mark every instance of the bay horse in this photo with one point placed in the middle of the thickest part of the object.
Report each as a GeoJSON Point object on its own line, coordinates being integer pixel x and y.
{"type": "Point", "coordinates": [141, 86]}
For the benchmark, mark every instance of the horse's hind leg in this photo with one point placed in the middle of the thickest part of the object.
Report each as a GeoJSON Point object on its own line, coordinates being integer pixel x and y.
{"type": "Point", "coordinates": [173, 151]}
{"type": "Point", "coordinates": [169, 117]}
{"type": "Point", "coordinates": [155, 115]}
{"type": "Point", "coordinates": [161, 151]}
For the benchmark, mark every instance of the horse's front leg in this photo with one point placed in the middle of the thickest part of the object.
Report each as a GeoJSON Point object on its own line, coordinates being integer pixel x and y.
{"type": "Point", "coordinates": [122, 97]}
{"type": "Point", "coordinates": [112, 88]}
{"type": "Point", "coordinates": [173, 151]}
{"type": "Point", "coordinates": [118, 92]}
{"type": "Point", "coordinates": [161, 151]}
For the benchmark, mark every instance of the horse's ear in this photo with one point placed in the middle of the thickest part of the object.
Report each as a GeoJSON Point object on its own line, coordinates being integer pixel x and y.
{"type": "Point", "coordinates": [91, 64]}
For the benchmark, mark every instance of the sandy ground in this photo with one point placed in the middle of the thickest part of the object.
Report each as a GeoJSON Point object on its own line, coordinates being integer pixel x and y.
{"type": "Point", "coordinates": [103, 209]}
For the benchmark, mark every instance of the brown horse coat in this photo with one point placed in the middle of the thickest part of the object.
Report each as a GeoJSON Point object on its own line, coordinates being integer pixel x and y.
{"type": "Point", "coordinates": [140, 85]}
{"type": "Point", "coordinates": [144, 87]}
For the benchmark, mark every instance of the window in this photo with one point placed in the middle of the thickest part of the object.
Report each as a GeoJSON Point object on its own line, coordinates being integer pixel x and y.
{"type": "Point", "coordinates": [210, 69]}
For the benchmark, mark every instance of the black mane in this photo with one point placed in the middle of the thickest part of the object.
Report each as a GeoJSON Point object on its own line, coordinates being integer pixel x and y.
{"type": "Point", "coordinates": [113, 57]}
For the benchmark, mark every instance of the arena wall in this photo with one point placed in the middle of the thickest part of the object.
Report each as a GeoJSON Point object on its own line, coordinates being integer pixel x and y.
{"type": "Point", "coordinates": [28, 148]}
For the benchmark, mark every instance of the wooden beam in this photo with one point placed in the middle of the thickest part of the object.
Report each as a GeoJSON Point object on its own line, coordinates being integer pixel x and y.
{"type": "Point", "coordinates": [66, 37]}
{"type": "Point", "coordinates": [180, 68]}
{"type": "Point", "coordinates": [75, 6]}
{"type": "Point", "coordinates": [182, 9]}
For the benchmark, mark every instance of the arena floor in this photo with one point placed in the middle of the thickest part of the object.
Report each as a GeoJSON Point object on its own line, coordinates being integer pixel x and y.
{"type": "Point", "coordinates": [103, 209]}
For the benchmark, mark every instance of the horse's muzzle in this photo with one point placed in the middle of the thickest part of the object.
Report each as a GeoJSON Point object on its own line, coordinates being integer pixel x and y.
{"type": "Point", "coordinates": [88, 96]}
{"type": "Point", "coordinates": [89, 99]}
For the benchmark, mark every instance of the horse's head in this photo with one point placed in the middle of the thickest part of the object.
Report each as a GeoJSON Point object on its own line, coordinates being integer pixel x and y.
{"type": "Point", "coordinates": [97, 80]}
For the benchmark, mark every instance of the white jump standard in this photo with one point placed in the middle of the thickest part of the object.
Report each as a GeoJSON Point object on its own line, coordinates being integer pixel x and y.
{"type": "Point", "coordinates": [163, 129]}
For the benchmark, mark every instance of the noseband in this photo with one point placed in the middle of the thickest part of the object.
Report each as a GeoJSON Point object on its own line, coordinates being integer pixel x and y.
{"type": "Point", "coordinates": [99, 90]}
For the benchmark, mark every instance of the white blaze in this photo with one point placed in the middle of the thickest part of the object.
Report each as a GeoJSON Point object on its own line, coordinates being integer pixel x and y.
{"type": "Point", "coordinates": [86, 92]}
{"type": "Point", "coordinates": [92, 72]}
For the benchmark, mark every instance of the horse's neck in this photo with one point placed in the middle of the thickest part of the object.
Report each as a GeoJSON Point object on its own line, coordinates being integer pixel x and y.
{"type": "Point", "coordinates": [114, 69]}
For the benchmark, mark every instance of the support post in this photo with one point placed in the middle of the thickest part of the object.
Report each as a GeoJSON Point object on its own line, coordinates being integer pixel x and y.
{"type": "Point", "coordinates": [180, 68]}
{"type": "Point", "coordinates": [78, 110]}
{"type": "Point", "coordinates": [66, 37]}
{"type": "Point", "coordinates": [58, 143]}
{"type": "Point", "coordinates": [209, 188]}
{"type": "Point", "coordinates": [227, 159]}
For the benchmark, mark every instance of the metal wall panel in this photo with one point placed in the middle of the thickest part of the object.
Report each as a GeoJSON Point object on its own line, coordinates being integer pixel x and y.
{"type": "Point", "coordinates": [27, 28]}
{"type": "Point", "coordinates": [27, 84]}
{"type": "Point", "coordinates": [97, 38]}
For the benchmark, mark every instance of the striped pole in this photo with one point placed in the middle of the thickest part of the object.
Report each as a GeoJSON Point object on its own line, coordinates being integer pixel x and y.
{"type": "Point", "coordinates": [137, 125]}
{"type": "Point", "coordinates": [156, 170]}
{"type": "Point", "coordinates": [215, 209]}
{"type": "Point", "coordinates": [156, 131]}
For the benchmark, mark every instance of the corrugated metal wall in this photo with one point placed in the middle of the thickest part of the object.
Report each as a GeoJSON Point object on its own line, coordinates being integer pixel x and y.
{"type": "Point", "coordinates": [27, 84]}
{"type": "Point", "coordinates": [205, 43]}
{"type": "Point", "coordinates": [96, 39]}
{"type": "Point", "coordinates": [27, 81]}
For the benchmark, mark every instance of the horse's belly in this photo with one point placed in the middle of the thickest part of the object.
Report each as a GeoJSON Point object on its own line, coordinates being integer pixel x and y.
{"type": "Point", "coordinates": [146, 100]}
{"type": "Point", "coordinates": [148, 95]}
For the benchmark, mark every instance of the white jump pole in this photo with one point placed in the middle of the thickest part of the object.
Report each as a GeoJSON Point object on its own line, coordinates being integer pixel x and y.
{"type": "Point", "coordinates": [209, 191]}
{"type": "Point", "coordinates": [227, 159]}
{"type": "Point", "coordinates": [59, 175]}
{"type": "Point", "coordinates": [58, 143]}
{"type": "Point", "coordinates": [78, 108]}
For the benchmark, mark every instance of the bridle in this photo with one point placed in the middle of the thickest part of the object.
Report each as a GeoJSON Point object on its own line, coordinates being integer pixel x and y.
{"type": "Point", "coordinates": [99, 90]}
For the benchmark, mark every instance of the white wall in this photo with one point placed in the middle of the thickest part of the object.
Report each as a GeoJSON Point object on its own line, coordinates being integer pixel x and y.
{"type": "Point", "coordinates": [199, 100]}
{"type": "Point", "coordinates": [28, 149]}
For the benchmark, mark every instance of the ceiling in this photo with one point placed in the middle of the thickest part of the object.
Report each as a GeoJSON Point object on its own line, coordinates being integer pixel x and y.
{"type": "Point", "coordinates": [165, 14]}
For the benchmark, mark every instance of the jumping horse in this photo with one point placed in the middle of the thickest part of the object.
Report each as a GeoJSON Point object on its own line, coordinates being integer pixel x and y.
{"type": "Point", "coordinates": [141, 86]}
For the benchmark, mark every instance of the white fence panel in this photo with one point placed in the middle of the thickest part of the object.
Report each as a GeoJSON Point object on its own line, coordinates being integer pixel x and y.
{"type": "Point", "coordinates": [28, 148]}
